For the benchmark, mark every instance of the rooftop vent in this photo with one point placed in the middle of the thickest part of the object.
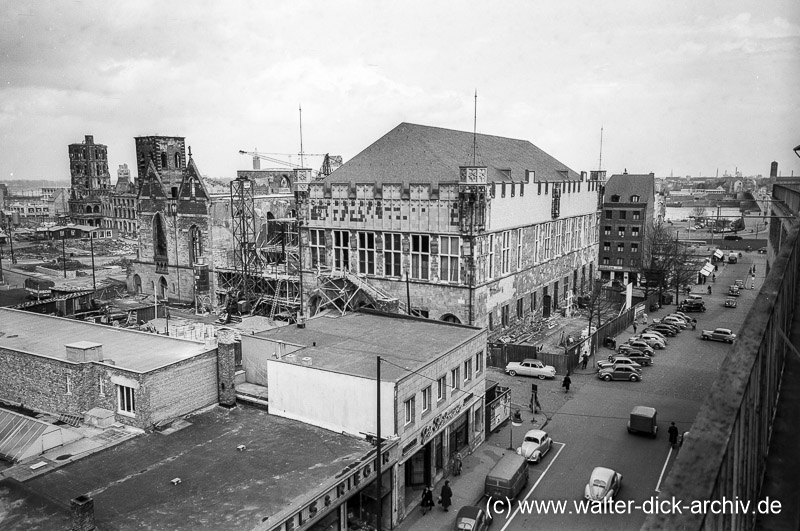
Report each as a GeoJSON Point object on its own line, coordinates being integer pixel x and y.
{"type": "Point", "coordinates": [83, 351]}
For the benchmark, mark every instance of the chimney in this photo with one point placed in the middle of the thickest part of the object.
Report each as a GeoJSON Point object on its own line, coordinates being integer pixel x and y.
{"type": "Point", "coordinates": [83, 351]}
{"type": "Point", "coordinates": [82, 509]}
{"type": "Point", "coordinates": [226, 367]}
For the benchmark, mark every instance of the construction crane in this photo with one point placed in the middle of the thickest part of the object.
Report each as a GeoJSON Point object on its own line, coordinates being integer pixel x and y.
{"type": "Point", "coordinates": [324, 170]}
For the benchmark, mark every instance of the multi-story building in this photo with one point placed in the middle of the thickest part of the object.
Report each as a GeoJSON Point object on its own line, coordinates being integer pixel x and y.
{"type": "Point", "coordinates": [123, 203]}
{"type": "Point", "coordinates": [473, 229]}
{"type": "Point", "coordinates": [90, 183]}
{"type": "Point", "coordinates": [628, 214]}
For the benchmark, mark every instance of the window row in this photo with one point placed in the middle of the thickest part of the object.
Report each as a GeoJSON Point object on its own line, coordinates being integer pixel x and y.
{"type": "Point", "coordinates": [470, 369]}
{"type": "Point", "coordinates": [635, 215]}
{"type": "Point", "coordinates": [634, 247]}
{"type": "Point", "coordinates": [622, 231]}
{"type": "Point", "coordinates": [633, 262]}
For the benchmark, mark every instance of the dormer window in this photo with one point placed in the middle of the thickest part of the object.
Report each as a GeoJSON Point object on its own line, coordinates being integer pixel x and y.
{"type": "Point", "coordinates": [634, 199]}
{"type": "Point", "coordinates": [615, 199]}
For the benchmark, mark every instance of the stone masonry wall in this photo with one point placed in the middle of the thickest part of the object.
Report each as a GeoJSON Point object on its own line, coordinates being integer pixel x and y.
{"type": "Point", "coordinates": [180, 388]}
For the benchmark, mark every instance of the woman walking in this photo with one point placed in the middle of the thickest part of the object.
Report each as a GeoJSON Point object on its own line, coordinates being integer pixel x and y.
{"type": "Point", "coordinates": [427, 500]}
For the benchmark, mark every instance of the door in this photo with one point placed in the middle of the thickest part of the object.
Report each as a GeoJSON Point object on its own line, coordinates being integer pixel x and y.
{"type": "Point", "coordinates": [546, 305]}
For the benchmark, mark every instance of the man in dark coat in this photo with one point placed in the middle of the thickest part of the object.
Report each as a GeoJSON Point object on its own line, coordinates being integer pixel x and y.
{"type": "Point", "coordinates": [673, 434]}
{"type": "Point", "coordinates": [446, 495]}
{"type": "Point", "coordinates": [565, 384]}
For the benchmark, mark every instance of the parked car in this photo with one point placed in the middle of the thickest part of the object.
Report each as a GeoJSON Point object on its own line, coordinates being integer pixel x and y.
{"type": "Point", "coordinates": [637, 356]}
{"type": "Point", "coordinates": [603, 484]}
{"type": "Point", "coordinates": [659, 335]}
{"type": "Point", "coordinates": [692, 297]}
{"type": "Point", "coordinates": [637, 344]}
{"type": "Point", "coordinates": [664, 329]}
{"type": "Point", "coordinates": [652, 340]}
{"type": "Point", "coordinates": [733, 258]}
{"type": "Point", "coordinates": [675, 328]}
{"type": "Point", "coordinates": [618, 360]}
{"type": "Point", "coordinates": [691, 306]}
{"type": "Point", "coordinates": [535, 445]}
{"type": "Point", "coordinates": [762, 250]}
{"type": "Point", "coordinates": [739, 284]}
{"type": "Point", "coordinates": [685, 316]}
{"type": "Point", "coordinates": [620, 372]}
{"type": "Point", "coordinates": [470, 518]}
{"type": "Point", "coordinates": [719, 334]}
{"type": "Point", "coordinates": [732, 237]}
{"type": "Point", "coordinates": [531, 367]}
{"type": "Point", "coordinates": [730, 302]}
{"type": "Point", "coordinates": [674, 321]}
{"type": "Point", "coordinates": [733, 291]}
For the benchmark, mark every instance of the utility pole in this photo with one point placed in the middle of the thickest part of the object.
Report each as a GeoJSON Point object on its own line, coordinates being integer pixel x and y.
{"type": "Point", "coordinates": [91, 246]}
{"type": "Point", "coordinates": [378, 452]}
{"type": "Point", "coordinates": [63, 255]}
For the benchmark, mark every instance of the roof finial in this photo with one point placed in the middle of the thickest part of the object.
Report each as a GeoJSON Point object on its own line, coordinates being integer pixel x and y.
{"type": "Point", "coordinates": [475, 129]}
{"type": "Point", "coordinates": [190, 151]}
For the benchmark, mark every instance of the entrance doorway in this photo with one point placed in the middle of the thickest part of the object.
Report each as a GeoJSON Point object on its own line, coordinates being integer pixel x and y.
{"type": "Point", "coordinates": [418, 474]}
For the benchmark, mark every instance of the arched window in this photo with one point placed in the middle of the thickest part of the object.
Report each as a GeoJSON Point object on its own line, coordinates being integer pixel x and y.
{"type": "Point", "coordinates": [163, 161]}
{"type": "Point", "coordinates": [195, 244]}
{"type": "Point", "coordinates": [159, 238]}
{"type": "Point", "coordinates": [96, 209]}
{"type": "Point", "coordinates": [162, 288]}
{"type": "Point", "coordinates": [137, 284]}
{"type": "Point", "coordinates": [88, 210]}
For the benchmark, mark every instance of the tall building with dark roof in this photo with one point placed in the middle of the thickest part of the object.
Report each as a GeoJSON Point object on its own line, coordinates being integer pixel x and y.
{"type": "Point", "coordinates": [627, 217]}
{"type": "Point", "coordinates": [474, 229]}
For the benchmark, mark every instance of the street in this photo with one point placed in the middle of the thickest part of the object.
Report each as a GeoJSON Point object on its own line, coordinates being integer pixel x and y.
{"type": "Point", "coordinates": [589, 422]}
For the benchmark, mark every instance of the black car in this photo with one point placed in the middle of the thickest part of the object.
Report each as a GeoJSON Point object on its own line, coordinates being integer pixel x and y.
{"type": "Point", "coordinates": [634, 354]}
{"type": "Point", "coordinates": [732, 237]}
{"type": "Point", "coordinates": [692, 306]}
{"type": "Point", "coordinates": [667, 330]}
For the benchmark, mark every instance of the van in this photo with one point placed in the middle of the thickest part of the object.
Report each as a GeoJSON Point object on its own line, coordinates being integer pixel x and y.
{"type": "Point", "coordinates": [508, 477]}
{"type": "Point", "coordinates": [643, 420]}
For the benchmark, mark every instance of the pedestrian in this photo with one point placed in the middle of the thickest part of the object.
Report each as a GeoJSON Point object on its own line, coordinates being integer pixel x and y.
{"type": "Point", "coordinates": [445, 498]}
{"type": "Point", "coordinates": [537, 404]}
{"type": "Point", "coordinates": [694, 324]}
{"type": "Point", "coordinates": [713, 277]}
{"type": "Point", "coordinates": [427, 500]}
{"type": "Point", "coordinates": [709, 290]}
{"type": "Point", "coordinates": [673, 434]}
{"type": "Point", "coordinates": [531, 405]}
{"type": "Point", "coordinates": [634, 327]}
{"type": "Point", "coordinates": [584, 361]}
{"type": "Point", "coordinates": [754, 269]}
{"type": "Point", "coordinates": [716, 268]}
{"type": "Point", "coordinates": [565, 383]}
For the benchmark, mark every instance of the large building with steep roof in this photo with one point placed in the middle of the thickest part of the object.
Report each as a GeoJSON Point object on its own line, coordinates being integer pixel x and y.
{"type": "Point", "coordinates": [473, 229]}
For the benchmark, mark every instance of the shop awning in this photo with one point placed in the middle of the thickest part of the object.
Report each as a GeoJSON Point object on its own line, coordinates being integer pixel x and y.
{"type": "Point", "coordinates": [707, 270]}
{"type": "Point", "coordinates": [718, 254]}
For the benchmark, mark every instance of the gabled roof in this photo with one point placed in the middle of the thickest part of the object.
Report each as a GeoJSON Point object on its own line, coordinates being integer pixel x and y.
{"type": "Point", "coordinates": [626, 185]}
{"type": "Point", "coordinates": [412, 153]}
{"type": "Point", "coordinates": [151, 186]}
{"type": "Point", "coordinates": [192, 174]}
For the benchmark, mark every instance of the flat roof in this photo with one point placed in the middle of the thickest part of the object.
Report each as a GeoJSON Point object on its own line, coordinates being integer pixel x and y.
{"type": "Point", "coordinates": [46, 335]}
{"type": "Point", "coordinates": [221, 487]}
{"type": "Point", "coordinates": [350, 343]}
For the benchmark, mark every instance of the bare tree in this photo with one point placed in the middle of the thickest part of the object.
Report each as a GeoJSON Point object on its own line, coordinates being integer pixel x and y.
{"type": "Point", "coordinates": [599, 305]}
{"type": "Point", "coordinates": [656, 262]}
{"type": "Point", "coordinates": [699, 211]}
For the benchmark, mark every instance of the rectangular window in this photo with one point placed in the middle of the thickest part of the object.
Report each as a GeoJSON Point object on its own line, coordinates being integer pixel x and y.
{"type": "Point", "coordinates": [635, 232]}
{"type": "Point", "coordinates": [366, 253]}
{"type": "Point", "coordinates": [520, 308]}
{"type": "Point", "coordinates": [316, 239]}
{"type": "Point", "coordinates": [621, 232]}
{"type": "Point", "coordinates": [504, 315]}
{"type": "Point", "coordinates": [606, 246]}
{"type": "Point", "coordinates": [606, 260]}
{"type": "Point", "coordinates": [620, 247]}
{"type": "Point", "coordinates": [410, 410]}
{"type": "Point", "coordinates": [505, 252]}
{"type": "Point", "coordinates": [449, 253]}
{"type": "Point", "coordinates": [392, 255]}
{"type": "Point", "coordinates": [441, 388]}
{"type": "Point", "coordinates": [341, 249]}
{"type": "Point", "coordinates": [101, 386]}
{"type": "Point", "coordinates": [519, 249]}
{"type": "Point", "coordinates": [126, 400]}
{"type": "Point", "coordinates": [623, 214]}
{"type": "Point", "coordinates": [468, 370]}
{"type": "Point", "coordinates": [426, 399]}
{"type": "Point", "coordinates": [609, 214]}
{"type": "Point", "coordinates": [479, 362]}
{"type": "Point", "coordinates": [637, 216]}
{"type": "Point", "coordinates": [455, 378]}
{"type": "Point", "coordinates": [607, 230]}
{"type": "Point", "coordinates": [619, 261]}
{"type": "Point", "coordinates": [634, 247]}
{"type": "Point", "coordinates": [69, 385]}
{"type": "Point", "coordinates": [420, 256]}
{"type": "Point", "coordinates": [491, 320]}
{"type": "Point", "coordinates": [490, 257]}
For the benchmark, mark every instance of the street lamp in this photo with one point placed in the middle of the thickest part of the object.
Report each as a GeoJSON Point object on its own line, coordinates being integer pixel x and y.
{"type": "Point", "coordinates": [516, 420]}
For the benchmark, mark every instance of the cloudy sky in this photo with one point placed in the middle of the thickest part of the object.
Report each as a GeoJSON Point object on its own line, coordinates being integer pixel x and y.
{"type": "Point", "coordinates": [680, 87]}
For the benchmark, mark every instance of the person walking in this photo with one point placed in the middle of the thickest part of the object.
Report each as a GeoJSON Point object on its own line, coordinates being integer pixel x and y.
{"type": "Point", "coordinates": [634, 327]}
{"type": "Point", "coordinates": [694, 324]}
{"type": "Point", "coordinates": [446, 497]}
{"type": "Point", "coordinates": [709, 290]}
{"type": "Point", "coordinates": [713, 277]}
{"type": "Point", "coordinates": [584, 361]}
{"type": "Point", "coordinates": [427, 500]}
{"type": "Point", "coordinates": [673, 434]}
{"type": "Point", "coordinates": [565, 384]}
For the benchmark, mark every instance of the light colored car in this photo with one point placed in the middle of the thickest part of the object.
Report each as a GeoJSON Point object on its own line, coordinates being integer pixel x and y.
{"type": "Point", "coordinates": [730, 302]}
{"type": "Point", "coordinates": [655, 342]}
{"type": "Point", "coordinates": [659, 335]}
{"type": "Point", "coordinates": [636, 344]}
{"type": "Point", "coordinates": [535, 445]}
{"type": "Point", "coordinates": [620, 372]}
{"type": "Point", "coordinates": [719, 334]}
{"type": "Point", "coordinates": [531, 367]}
{"type": "Point", "coordinates": [674, 321]}
{"type": "Point", "coordinates": [603, 484]}
{"type": "Point", "coordinates": [617, 360]}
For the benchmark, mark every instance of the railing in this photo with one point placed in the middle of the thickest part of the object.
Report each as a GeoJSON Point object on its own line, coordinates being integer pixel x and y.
{"type": "Point", "coordinates": [725, 453]}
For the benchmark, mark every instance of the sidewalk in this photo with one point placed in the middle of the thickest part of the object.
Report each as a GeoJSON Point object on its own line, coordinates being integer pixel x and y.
{"type": "Point", "coordinates": [468, 487]}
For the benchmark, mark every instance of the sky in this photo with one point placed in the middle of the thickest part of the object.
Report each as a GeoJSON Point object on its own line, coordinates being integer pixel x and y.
{"type": "Point", "coordinates": [678, 88]}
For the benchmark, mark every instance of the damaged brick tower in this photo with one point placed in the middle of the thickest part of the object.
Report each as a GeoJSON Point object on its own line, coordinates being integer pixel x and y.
{"type": "Point", "coordinates": [90, 183]}
{"type": "Point", "coordinates": [174, 223]}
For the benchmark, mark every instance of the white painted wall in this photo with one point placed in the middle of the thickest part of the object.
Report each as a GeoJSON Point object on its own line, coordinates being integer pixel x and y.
{"type": "Point", "coordinates": [338, 402]}
{"type": "Point", "coordinates": [509, 212]}
{"type": "Point", "coordinates": [255, 353]}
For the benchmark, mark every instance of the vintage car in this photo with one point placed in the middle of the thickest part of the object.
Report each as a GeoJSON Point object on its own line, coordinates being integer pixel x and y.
{"type": "Point", "coordinates": [674, 321]}
{"type": "Point", "coordinates": [617, 360]}
{"type": "Point", "coordinates": [470, 518]}
{"type": "Point", "coordinates": [603, 484]}
{"type": "Point", "coordinates": [535, 445]}
{"type": "Point", "coordinates": [636, 344]}
{"type": "Point", "coordinates": [762, 250]}
{"type": "Point", "coordinates": [531, 367]}
{"type": "Point", "coordinates": [663, 328]}
{"type": "Point", "coordinates": [638, 356]}
{"type": "Point", "coordinates": [739, 284]}
{"type": "Point", "coordinates": [620, 372]}
{"type": "Point", "coordinates": [730, 302]}
{"type": "Point", "coordinates": [719, 334]}
{"type": "Point", "coordinates": [733, 291]}
{"type": "Point", "coordinates": [691, 306]}
{"type": "Point", "coordinates": [654, 341]}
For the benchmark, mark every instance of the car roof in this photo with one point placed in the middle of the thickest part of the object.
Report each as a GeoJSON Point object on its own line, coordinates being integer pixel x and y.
{"type": "Point", "coordinates": [531, 360]}
{"type": "Point", "coordinates": [728, 330]}
{"type": "Point", "coordinates": [644, 411]}
{"type": "Point", "coordinates": [601, 472]}
{"type": "Point", "coordinates": [468, 511]}
{"type": "Point", "coordinates": [536, 433]}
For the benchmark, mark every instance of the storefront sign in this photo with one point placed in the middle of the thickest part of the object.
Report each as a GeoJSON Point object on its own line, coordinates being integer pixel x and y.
{"type": "Point", "coordinates": [439, 422]}
{"type": "Point", "coordinates": [411, 444]}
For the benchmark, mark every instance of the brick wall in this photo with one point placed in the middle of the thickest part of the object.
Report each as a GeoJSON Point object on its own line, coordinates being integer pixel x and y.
{"type": "Point", "coordinates": [180, 388]}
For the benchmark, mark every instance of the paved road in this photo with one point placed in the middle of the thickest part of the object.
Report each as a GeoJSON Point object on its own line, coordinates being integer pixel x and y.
{"type": "Point", "coordinates": [590, 421]}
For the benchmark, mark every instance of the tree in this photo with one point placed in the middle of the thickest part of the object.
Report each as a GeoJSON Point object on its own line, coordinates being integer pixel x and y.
{"type": "Point", "coordinates": [597, 304]}
{"type": "Point", "coordinates": [655, 264]}
{"type": "Point", "coordinates": [699, 211]}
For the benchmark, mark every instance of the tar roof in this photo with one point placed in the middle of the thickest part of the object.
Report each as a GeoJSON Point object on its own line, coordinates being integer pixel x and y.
{"type": "Point", "coordinates": [47, 336]}
{"type": "Point", "coordinates": [349, 344]}
{"type": "Point", "coordinates": [221, 488]}
{"type": "Point", "coordinates": [412, 153]}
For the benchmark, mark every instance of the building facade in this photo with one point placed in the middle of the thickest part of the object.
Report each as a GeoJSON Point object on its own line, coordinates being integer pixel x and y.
{"type": "Point", "coordinates": [123, 203]}
{"type": "Point", "coordinates": [472, 229]}
{"type": "Point", "coordinates": [627, 217]}
{"type": "Point", "coordinates": [90, 183]}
